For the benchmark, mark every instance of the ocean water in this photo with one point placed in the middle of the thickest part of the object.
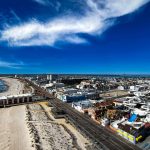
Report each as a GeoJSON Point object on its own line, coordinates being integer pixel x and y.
{"type": "Point", "coordinates": [3, 86]}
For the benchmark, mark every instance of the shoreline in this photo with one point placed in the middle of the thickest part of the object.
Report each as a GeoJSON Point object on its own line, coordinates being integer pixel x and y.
{"type": "Point", "coordinates": [14, 86]}
{"type": "Point", "coordinates": [5, 84]}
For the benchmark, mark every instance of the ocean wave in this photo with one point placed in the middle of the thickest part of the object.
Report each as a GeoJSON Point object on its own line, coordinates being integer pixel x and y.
{"type": "Point", "coordinates": [3, 86]}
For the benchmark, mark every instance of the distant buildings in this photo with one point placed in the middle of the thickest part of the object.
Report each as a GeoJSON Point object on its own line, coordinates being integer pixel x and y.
{"type": "Point", "coordinates": [136, 88]}
{"type": "Point", "coordinates": [121, 88]}
{"type": "Point", "coordinates": [50, 78]}
{"type": "Point", "coordinates": [119, 103]}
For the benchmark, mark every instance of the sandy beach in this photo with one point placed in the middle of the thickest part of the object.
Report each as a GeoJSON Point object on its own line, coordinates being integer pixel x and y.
{"type": "Point", "coordinates": [15, 86]}
{"type": "Point", "coordinates": [29, 127]}
{"type": "Point", "coordinates": [13, 129]}
{"type": "Point", "coordinates": [33, 127]}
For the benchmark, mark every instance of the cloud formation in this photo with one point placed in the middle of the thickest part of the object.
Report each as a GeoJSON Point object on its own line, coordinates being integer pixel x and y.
{"type": "Point", "coordinates": [42, 2]}
{"type": "Point", "coordinates": [51, 3]}
{"type": "Point", "coordinates": [98, 17]}
{"type": "Point", "coordinates": [6, 64]}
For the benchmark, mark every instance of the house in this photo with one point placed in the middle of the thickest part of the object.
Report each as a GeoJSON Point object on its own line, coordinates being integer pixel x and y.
{"type": "Point", "coordinates": [82, 106]}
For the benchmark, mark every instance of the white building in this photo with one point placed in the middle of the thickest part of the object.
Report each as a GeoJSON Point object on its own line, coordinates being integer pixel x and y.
{"type": "Point", "coordinates": [137, 88]}
{"type": "Point", "coordinates": [104, 122]}
{"type": "Point", "coordinates": [50, 77]}
{"type": "Point", "coordinates": [82, 105]}
{"type": "Point", "coordinates": [120, 88]}
{"type": "Point", "coordinates": [70, 97]}
{"type": "Point", "coordinates": [54, 85]}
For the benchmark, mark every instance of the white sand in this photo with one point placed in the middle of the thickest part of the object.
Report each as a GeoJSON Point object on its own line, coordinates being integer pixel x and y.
{"type": "Point", "coordinates": [13, 129]}
{"type": "Point", "coordinates": [25, 129]}
{"type": "Point", "coordinates": [15, 87]}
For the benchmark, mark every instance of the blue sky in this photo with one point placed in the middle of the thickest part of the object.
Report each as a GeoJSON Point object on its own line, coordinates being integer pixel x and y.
{"type": "Point", "coordinates": [70, 36]}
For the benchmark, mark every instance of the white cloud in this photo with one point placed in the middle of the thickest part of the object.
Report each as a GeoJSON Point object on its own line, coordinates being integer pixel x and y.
{"type": "Point", "coordinates": [50, 3]}
{"type": "Point", "coordinates": [15, 16]}
{"type": "Point", "coordinates": [42, 2]}
{"type": "Point", "coordinates": [123, 7]}
{"type": "Point", "coordinates": [94, 22]}
{"type": "Point", "coordinates": [6, 64]}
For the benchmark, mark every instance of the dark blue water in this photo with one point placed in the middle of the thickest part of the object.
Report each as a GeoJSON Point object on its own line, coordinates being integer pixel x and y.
{"type": "Point", "coordinates": [3, 86]}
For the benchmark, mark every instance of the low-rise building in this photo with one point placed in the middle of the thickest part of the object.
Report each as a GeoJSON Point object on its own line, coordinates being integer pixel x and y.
{"type": "Point", "coordinates": [133, 132]}
{"type": "Point", "coordinates": [74, 95]}
{"type": "Point", "coordinates": [121, 88]}
{"type": "Point", "coordinates": [71, 97]}
{"type": "Point", "coordinates": [82, 106]}
{"type": "Point", "coordinates": [98, 111]}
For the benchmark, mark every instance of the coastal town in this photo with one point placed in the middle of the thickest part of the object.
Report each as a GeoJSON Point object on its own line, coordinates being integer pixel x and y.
{"type": "Point", "coordinates": [34, 122]}
{"type": "Point", "coordinates": [119, 105]}
{"type": "Point", "coordinates": [74, 75]}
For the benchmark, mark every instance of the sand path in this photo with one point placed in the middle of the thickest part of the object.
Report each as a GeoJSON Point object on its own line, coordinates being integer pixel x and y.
{"type": "Point", "coordinates": [13, 129]}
